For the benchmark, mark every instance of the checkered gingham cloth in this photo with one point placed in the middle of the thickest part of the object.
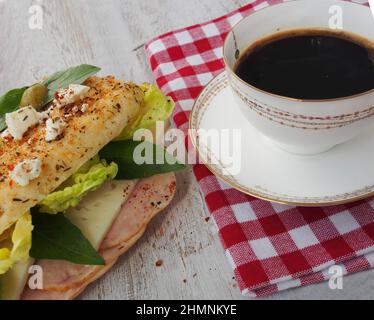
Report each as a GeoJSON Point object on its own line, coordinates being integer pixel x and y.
{"type": "Point", "coordinates": [271, 247]}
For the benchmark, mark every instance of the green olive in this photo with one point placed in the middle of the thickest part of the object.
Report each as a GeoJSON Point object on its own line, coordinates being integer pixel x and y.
{"type": "Point", "coordinates": [34, 96]}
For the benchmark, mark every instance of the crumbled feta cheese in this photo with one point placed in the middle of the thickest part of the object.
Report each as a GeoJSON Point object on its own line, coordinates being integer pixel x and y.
{"type": "Point", "coordinates": [44, 115]}
{"type": "Point", "coordinates": [20, 121]}
{"type": "Point", "coordinates": [54, 128]}
{"type": "Point", "coordinates": [26, 171]}
{"type": "Point", "coordinates": [84, 107]}
{"type": "Point", "coordinates": [56, 104]}
{"type": "Point", "coordinates": [5, 133]}
{"type": "Point", "coordinates": [73, 94]}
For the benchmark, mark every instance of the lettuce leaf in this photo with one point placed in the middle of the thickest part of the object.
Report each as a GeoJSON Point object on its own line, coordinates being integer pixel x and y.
{"type": "Point", "coordinates": [5, 261]}
{"type": "Point", "coordinates": [156, 107]}
{"type": "Point", "coordinates": [21, 240]}
{"type": "Point", "coordinates": [89, 164]}
{"type": "Point", "coordinates": [82, 183]}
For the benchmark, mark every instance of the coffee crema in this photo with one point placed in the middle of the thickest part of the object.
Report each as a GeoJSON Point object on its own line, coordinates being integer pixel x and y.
{"type": "Point", "coordinates": [309, 64]}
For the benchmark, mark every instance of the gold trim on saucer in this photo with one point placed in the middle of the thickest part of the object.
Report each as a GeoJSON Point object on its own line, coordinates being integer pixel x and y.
{"type": "Point", "coordinates": [198, 111]}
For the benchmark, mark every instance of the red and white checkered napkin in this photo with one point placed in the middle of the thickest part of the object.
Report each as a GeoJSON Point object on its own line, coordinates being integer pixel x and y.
{"type": "Point", "coordinates": [271, 247]}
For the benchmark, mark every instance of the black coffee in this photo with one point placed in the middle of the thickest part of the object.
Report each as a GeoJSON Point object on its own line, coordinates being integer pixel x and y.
{"type": "Point", "coordinates": [309, 64]}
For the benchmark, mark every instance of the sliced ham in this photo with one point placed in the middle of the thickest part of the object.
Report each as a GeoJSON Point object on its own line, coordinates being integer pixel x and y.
{"type": "Point", "coordinates": [64, 280]}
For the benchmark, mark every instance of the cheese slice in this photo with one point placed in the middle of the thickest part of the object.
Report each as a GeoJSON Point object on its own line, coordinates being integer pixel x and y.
{"type": "Point", "coordinates": [13, 282]}
{"type": "Point", "coordinates": [95, 214]}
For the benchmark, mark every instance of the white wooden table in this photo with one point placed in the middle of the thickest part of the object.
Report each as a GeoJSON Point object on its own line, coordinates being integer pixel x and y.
{"type": "Point", "coordinates": [111, 34]}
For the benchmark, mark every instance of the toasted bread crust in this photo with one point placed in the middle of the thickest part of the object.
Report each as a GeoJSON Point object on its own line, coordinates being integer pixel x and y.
{"type": "Point", "coordinates": [112, 104]}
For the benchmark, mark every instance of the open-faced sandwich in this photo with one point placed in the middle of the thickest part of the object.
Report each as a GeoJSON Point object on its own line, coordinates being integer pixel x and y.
{"type": "Point", "coordinates": [72, 197]}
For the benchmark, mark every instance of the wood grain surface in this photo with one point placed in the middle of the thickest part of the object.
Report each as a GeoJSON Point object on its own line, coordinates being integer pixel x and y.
{"type": "Point", "coordinates": [111, 34]}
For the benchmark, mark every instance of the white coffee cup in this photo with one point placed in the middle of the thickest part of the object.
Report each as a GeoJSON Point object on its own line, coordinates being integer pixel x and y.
{"type": "Point", "coordinates": [296, 125]}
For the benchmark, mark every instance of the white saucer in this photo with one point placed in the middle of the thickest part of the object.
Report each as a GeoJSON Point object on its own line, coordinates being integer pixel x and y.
{"type": "Point", "coordinates": [342, 175]}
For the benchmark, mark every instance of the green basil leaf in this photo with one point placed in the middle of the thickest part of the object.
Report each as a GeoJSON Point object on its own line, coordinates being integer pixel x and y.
{"type": "Point", "coordinates": [9, 102]}
{"type": "Point", "coordinates": [122, 153]}
{"type": "Point", "coordinates": [62, 79]}
{"type": "Point", "coordinates": [55, 238]}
